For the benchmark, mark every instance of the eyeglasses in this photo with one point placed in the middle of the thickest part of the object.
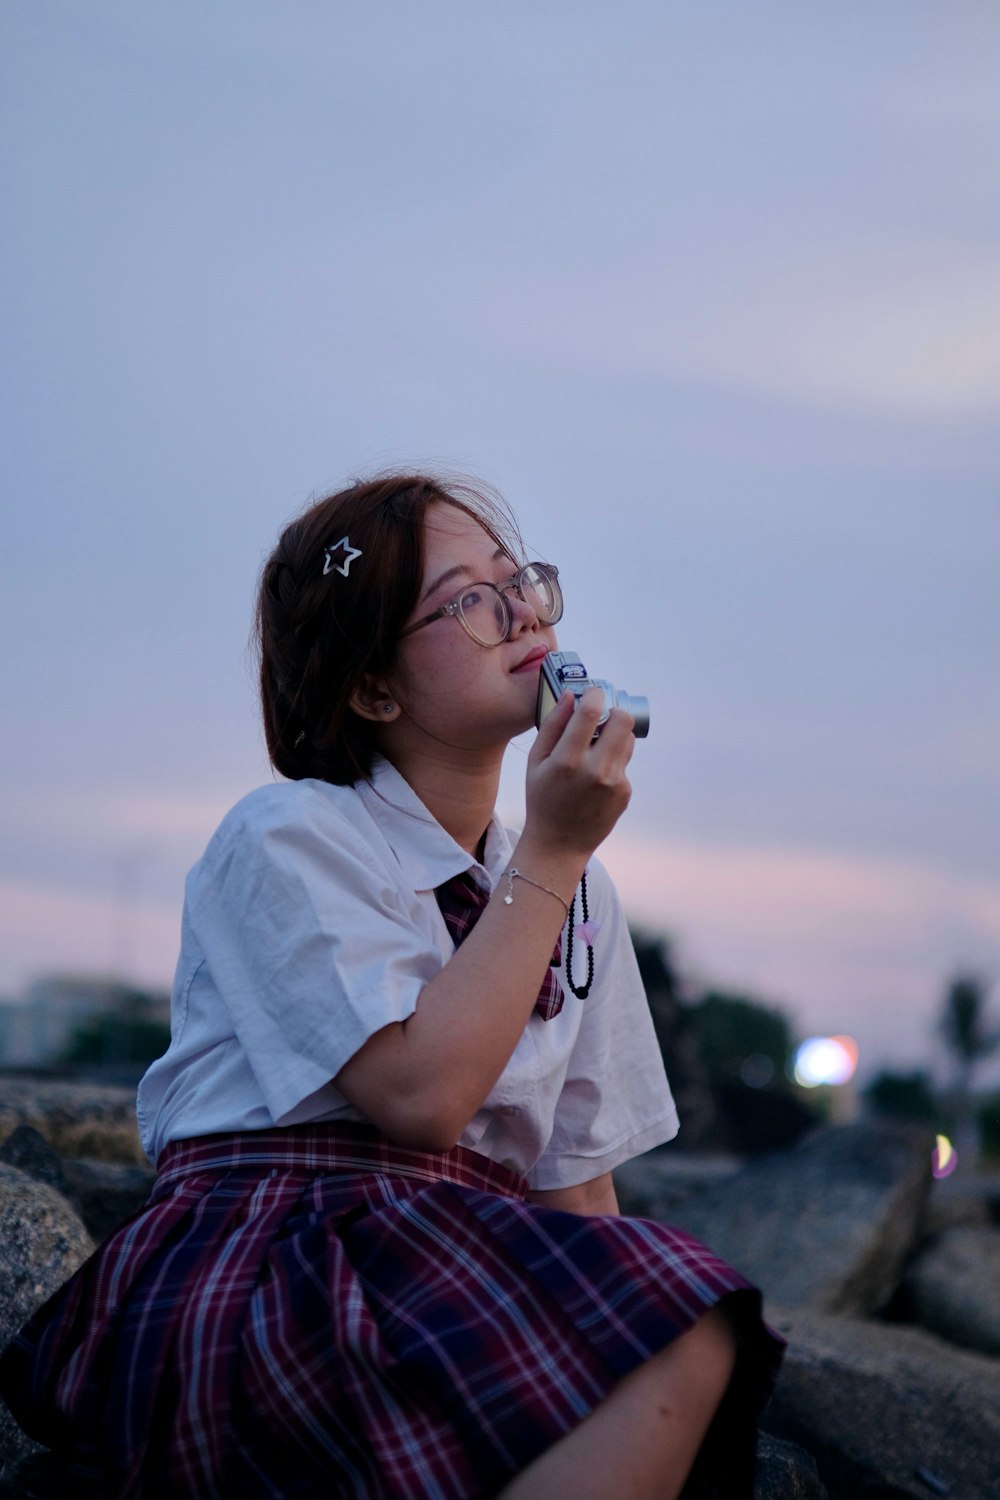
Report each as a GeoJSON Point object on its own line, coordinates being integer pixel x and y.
{"type": "Point", "coordinates": [483, 609]}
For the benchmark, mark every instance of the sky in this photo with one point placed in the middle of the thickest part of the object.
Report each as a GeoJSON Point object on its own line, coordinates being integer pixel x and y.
{"type": "Point", "coordinates": [710, 292]}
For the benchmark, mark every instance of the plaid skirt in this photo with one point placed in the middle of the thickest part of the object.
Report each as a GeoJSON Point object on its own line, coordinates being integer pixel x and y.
{"type": "Point", "coordinates": [313, 1312]}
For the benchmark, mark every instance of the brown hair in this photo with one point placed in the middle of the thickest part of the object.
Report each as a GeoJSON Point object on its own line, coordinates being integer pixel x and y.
{"type": "Point", "coordinates": [318, 633]}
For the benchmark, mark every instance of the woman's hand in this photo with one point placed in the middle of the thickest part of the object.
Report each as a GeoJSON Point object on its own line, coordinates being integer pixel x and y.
{"type": "Point", "coordinates": [576, 787]}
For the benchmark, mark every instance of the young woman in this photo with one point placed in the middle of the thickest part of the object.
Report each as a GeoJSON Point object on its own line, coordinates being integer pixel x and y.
{"type": "Point", "coordinates": [383, 1257]}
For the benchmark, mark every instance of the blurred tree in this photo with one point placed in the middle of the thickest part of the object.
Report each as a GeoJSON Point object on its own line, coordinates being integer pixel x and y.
{"type": "Point", "coordinates": [904, 1096]}
{"type": "Point", "coordinates": [726, 1058]}
{"type": "Point", "coordinates": [117, 1039]}
{"type": "Point", "coordinates": [661, 982]}
{"type": "Point", "coordinates": [747, 1048]}
{"type": "Point", "coordinates": [970, 1037]}
{"type": "Point", "coordinates": [678, 1044]}
{"type": "Point", "coordinates": [989, 1128]}
{"type": "Point", "coordinates": [734, 1031]}
{"type": "Point", "coordinates": [131, 1035]}
{"type": "Point", "coordinates": [966, 1027]}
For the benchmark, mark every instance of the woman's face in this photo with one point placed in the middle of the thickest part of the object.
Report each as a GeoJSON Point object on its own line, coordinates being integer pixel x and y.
{"type": "Point", "coordinates": [448, 686]}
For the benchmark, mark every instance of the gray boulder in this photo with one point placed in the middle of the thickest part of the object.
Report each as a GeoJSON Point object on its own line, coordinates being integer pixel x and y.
{"type": "Point", "coordinates": [888, 1411]}
{"type": "Point", "coordinates": [42, 1242]}
{"type": "Point", "coordinates": [953, 1288]}
{"type": "Point", "coordinates": [785, 1472]}
{"type": "Point", "coordinates": [103, 1193]}
{"type": "Point", "coordinates": [106, 1193]}
{"type": "Point", "coordinates": [77, 1119]}
{"type": "Point", "coordinates": [25, 1149]}
{"type": "Point", "coordinates": [39, 1476]}
{"type": "Point", "coordinates": [966, 1200]}
{"type": "Point", "coordinates": [826, 1224]}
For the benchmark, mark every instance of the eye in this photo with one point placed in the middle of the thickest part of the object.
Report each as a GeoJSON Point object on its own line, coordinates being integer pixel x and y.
{"type": "Point", "coordinates": [471, 599]}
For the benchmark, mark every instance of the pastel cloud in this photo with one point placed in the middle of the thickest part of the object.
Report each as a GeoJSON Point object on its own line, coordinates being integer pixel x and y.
{"type": "Point", "coordinates": [900, 334]}
{"type": "Point", "coordinates": [45, 929]}
{"type": "Point", "coordinates": [843, 942]}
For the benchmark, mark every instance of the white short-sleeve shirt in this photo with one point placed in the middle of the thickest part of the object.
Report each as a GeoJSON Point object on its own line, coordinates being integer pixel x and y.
{"type": "Point", "coordinates": [311, 922]}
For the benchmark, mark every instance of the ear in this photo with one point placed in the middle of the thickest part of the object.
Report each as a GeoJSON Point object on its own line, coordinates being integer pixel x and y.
{"type": "Point", "coordinates": [372, 699]}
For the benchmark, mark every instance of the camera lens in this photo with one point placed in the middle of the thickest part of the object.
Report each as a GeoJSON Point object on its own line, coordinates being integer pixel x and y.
{"type": "Point", "coordinates": [638, 707]}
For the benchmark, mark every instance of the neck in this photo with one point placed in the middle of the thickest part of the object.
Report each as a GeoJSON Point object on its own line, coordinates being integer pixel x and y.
{"type": "Point", "coordinates": [459, 790]}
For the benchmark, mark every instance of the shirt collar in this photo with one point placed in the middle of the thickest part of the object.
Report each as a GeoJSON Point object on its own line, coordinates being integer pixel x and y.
{"type": "Point", "coordinates": [427, 854]}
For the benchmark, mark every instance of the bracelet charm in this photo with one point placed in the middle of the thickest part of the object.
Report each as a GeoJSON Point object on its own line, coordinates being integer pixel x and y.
{"type": "Point", "coordinates": [515, 874]}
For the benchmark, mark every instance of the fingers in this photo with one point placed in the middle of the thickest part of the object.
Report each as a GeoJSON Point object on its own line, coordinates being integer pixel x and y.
{"type": "Point", "coordinates": [576, 786]}
{"type": "Point", "coordinates": [553, 725]}
{"type": "Point", "coordinates": [575, 729]}
{"type": "Point", "coordinates": [611, 741]}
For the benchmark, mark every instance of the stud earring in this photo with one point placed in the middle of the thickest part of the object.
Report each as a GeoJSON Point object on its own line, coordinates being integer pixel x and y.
{"type": "Point", "coordinates": [388, 708]}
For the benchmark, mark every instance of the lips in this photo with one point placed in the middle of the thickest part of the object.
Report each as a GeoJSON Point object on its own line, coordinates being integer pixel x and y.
{"type": "Point", "coordinates": [532, 659]}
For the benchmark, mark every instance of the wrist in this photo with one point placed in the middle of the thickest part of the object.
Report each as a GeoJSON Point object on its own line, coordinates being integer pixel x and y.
{"type": "Point", "coordinates": [513, 873]}
{"type": "Point", "coordinates": [559, 871]}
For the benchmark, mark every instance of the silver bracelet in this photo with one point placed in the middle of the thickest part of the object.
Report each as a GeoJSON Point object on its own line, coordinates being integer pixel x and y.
{"type": "Point", "coordinates": [513, 875]}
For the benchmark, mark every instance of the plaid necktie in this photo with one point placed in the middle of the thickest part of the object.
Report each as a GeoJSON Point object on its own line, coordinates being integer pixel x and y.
{"type": "Point", "coordinates": [461, 901]}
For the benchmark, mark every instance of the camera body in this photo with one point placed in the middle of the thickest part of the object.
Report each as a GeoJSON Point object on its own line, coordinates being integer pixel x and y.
{"type": "Point", "coordinates": [564, 669]}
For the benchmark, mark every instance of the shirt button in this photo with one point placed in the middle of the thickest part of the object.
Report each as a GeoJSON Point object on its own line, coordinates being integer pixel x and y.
{"type": "Point", "coordinates": [510, 1109]}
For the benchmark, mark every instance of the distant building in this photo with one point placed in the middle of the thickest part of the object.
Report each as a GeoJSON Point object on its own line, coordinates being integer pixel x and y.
{"type": "Point", "coordinates": [38, 1030]}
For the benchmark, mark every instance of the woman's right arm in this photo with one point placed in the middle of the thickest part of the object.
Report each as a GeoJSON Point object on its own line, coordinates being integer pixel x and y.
{"type": "Point", "coordinates": [421, 1080]}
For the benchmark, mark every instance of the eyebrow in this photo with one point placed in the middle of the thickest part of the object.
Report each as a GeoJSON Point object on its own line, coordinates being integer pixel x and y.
{"type": "Point", "coordinates": [457, 571]}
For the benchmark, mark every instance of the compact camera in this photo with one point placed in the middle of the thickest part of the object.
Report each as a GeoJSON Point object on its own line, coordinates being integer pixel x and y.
{"type": "Point", "coordinates": [564, 669]}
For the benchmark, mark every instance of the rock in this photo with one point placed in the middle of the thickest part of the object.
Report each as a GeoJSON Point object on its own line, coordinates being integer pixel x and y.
{"type": "Point", "coordinates": [37, 1477]}
{"type": "Point", "coordinates": [77, 1119]}
{"type": "Point", "coordinates": [785, 1472]}
{"type": "Point", "coordinates": [953, 1288]}
{"type": "Point", "coordinates": [25, 1149]}
{"type": "Point", "coordinates": [42, 1241]}
{"type": "Point", "coordinates": [106, 1193]}
{"type": "Point", "coordinates": [826, 1224]}
{"type": "Point", "coordinates": [889, 1413]}
{"type": "Point", "coordinates": [967, 1200]}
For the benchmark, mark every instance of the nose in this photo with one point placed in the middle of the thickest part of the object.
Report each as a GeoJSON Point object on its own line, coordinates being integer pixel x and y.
{"type": "Point", "coordinates": [523, 615]}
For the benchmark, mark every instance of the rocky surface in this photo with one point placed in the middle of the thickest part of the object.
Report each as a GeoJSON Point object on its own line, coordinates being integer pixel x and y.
{"type": "Point", "coordinates": [826, 1224]}
{"type": "Point", "coordinates": [953, 1288]}
{"type": "Point", "coordinates": [888, 1411]}
{"type": "Point", "coordinates": [786, 1472]}
{"type": "Point", "coordinates": [103, 1193]}
{"type": "Point", "coordinates": [77, 1119]}
{"type": "Point", "coordinates": [106, 1193]}
{"type": "Point", "coordinates": [42, 1241]}
{"type": "Point", "coordinates": [966, 1200]}
{"type": "Point", "coordinates": [838, 1229]}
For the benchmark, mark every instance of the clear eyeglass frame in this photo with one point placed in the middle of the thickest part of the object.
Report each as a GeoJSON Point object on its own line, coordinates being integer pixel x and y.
{"type": "Point", "coordinates": [483, 609]}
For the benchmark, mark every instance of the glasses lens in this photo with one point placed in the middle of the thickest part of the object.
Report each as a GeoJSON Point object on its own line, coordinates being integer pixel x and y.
{"type": "Point", "coordinates": [485, 614]}
{"type": "Point", "coordinates": [540, 587]}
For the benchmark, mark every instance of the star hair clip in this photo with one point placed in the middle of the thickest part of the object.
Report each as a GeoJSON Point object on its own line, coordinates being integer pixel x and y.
{"type": "Point", "coordinates": [350, 553]}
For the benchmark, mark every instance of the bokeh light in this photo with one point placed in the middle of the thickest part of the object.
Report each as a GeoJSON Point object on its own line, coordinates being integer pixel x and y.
{"type": "Point", "coordinates": [944, 1158]}
{"type": "Point", "coordinates": [757, 1070]}
{"type": "Point", "coordinates": [825, 1060]}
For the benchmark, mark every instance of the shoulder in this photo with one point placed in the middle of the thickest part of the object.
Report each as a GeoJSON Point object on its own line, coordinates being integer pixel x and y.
{"type": "Point", "coordinates": [305, 813]}
{"type": "Point", "coordinates": [291, 849]}
{"type": "Point", "coordinates": [287, 802]}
